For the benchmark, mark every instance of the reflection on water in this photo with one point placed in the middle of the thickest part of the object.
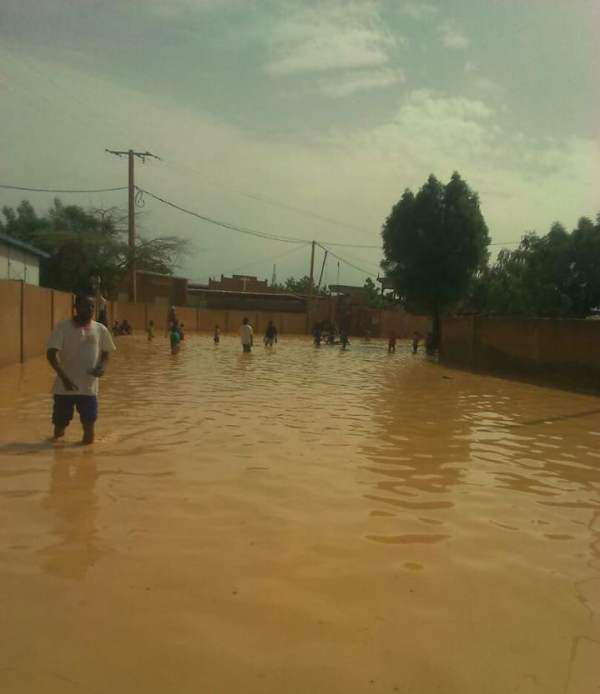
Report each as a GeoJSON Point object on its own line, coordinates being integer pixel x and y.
{"type": "Point", "coordinates": [460, 500]}
{"type": "Point", "coordinates": [74, 506]}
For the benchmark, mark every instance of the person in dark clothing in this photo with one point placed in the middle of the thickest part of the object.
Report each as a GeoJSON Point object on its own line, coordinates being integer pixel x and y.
{"type": "Point", "coordinates": [270, 334]}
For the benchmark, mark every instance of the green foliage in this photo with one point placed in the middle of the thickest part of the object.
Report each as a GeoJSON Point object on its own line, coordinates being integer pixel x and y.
{"type": "Point", "coordinates": [435, 243]}
{"type": "Point", "coordinates": [83, 244]}
{"type": "Point", "coordinates": [300, 286]}
{"type": "Point", "coordinates": [373, 295]}
{"type": "Point", "coordinates": [555, 275]}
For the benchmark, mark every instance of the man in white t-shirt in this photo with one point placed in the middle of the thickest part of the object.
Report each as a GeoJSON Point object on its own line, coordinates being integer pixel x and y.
{"type": "Point", "coordinates": [246, 335]}
{"type": "Point", "coordinates": [78, 351]}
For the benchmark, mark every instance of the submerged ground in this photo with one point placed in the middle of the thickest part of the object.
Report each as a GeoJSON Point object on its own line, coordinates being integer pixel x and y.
{"type": "Point", "coordinates": [299, 521]}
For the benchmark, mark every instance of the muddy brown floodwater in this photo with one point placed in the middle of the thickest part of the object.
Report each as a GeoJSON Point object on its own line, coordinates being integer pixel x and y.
{"type": "Point", "coordinates": [299, 521]}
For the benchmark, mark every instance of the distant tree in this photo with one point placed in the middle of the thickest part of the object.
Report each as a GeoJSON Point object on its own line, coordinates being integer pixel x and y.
{"type": "Point", "coordinates": [435, 243]}
{"type": "Point", "coordinates": [85, 243]}
{"type": "Point", "coordinates": [373, 296]}
{"type": "Point", "coordinates": [301, 286]}
{"type": "Point", "coordinates": [555, 275]}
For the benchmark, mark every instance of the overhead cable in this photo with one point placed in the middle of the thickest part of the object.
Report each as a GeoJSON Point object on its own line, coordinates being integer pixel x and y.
{"type": "Point", "coordinates": [225, 225]}
{"type": "Point", "coordinates": [347, 262]}
{"type": "Point", "coordinates": [60, 190]}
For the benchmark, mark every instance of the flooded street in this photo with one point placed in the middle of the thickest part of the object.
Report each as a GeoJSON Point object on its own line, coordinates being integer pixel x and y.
{"type": "Point", "coordinates": [299, 521]}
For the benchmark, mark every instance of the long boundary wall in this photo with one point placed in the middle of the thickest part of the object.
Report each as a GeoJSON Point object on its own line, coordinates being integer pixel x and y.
{"type": "Point", "coordinates": [28, 313]}
{"type": "Point", "coordinates": [560, 351]}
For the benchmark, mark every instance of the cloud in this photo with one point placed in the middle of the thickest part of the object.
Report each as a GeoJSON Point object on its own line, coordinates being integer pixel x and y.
{"type": "Point", "coordinates": [433, 132]}
{"type": "Point", "coordinates": [336, 36]}
{"type": "Point", "coordinates": [360, 80]}
{"type": "Point", "coordinates": [452, 36]}
{"type": "Point", "coordinates": [419, 11]}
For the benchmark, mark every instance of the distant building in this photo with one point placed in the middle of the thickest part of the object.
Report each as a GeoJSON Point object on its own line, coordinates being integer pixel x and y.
{"type": "Point", "coordinates": [154, 288]}
{"type": "Point", "coordinates": [245, 293]}
{"type": "Point", "coordinates": [240, 283]}
{"type": "Point", "coordinates": [19, 260]}
{"type": "Point", "coordinates": [355, 296]}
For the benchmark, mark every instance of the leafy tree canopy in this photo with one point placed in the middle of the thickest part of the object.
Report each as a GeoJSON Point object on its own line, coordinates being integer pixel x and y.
{"type": "Point", "coordinates": [86, 243]}
{"type": "Point", "coordinates": [555, 275]}
{"type": "Point", "coordinates": [434, 243]}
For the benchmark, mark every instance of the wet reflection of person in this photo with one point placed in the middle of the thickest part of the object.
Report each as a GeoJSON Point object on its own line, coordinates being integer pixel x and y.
{"type": "Point", "coordinates": [72, 498]}
{"type": "Point", "coordinates": [78, 352]}
{"type": "Point", "coordinates": [246, 335]}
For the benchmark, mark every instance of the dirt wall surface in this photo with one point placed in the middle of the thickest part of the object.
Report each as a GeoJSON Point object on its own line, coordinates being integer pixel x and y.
{"type": "Point", "coordinates": [403, 324]}
{"type": "Point", "coordinates": [62, 307]}
{"type": "Point", "coordinates": [37, 320]}
{"type": "Point", "coordinates": [564, 352]}
{"type": "Point", "coordinates": [10, 321]}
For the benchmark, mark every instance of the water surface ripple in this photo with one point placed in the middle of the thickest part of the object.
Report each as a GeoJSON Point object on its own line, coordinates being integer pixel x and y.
{"type": "Point", "coordinates": [299, 519]}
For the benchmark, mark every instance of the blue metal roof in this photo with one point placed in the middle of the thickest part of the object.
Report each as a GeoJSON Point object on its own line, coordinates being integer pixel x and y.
{"type": "Point", "coordinates": [11, 241]}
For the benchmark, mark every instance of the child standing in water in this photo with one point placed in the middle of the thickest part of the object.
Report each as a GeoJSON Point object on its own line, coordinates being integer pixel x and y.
{"type": "Point", "coordinates": [217, 335]}
{"type": "Point", "coordinates": [415, 342]}
{"type": "Point", "coordinates": [150, 330]}
{"type": "Point", "coordinates": [344, 340]}
{"type": "Point", "coordinates": [175, 339]}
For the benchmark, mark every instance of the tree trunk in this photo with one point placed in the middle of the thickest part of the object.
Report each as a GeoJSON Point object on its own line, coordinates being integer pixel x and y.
{"type": "Point", "coordinates": [436, 333]}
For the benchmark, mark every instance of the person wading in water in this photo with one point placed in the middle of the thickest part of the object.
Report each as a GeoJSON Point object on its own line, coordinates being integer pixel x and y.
{"type": "Point", "coordinates": [78, 351]}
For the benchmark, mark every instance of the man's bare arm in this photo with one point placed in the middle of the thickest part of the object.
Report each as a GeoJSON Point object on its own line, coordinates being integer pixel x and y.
{"type": "Point", "coordinates": [98, 370]}
{"type": "Point", "coordinates": [52, 357]}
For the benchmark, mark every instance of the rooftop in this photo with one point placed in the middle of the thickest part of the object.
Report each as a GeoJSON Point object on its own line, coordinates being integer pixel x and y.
{"type": "Point", "coordinates": [15, 243]}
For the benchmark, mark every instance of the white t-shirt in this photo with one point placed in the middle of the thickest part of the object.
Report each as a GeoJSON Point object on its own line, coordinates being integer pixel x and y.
{"type": "Point", "coordinates": [246, 333]}
{"type": "Point", "coordinates": [79, 348]}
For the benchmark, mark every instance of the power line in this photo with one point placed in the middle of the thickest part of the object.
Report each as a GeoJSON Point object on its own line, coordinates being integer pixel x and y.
{"type": "Point", "coordinates": [225, 225]}
{"type": "Point", "coordinates": [288, 251]}
{"type": "Point", "coordinates": [57, 190]}
{"type": "Point", "coordinates": [347, 262]}
{"type": "Point", "coordinates": [267, 200]}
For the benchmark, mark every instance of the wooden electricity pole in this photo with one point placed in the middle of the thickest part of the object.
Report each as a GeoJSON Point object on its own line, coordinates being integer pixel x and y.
{"type": "Point", "coordinates": [311, 284]}
{"type": "Point", "coordinates": [130, 154]}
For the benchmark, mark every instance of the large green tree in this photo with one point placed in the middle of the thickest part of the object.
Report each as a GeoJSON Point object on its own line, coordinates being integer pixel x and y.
{"type": "Point", "coordinates": [555, 275]}
{"type": "Point", "coordinates": [434, 244]}
{"type": "Point", "coordinates": [87, 243]}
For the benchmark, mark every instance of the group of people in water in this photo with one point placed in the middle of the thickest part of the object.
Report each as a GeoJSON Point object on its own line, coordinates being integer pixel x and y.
{"type": "Point", "coordinates": [326, 333]}
{"type": "Point", "coordinates": [415, 341]}
{"type": "Point", "coordinates": [78, 351]}
{"type": "Point", "coordinates": [122, 328]}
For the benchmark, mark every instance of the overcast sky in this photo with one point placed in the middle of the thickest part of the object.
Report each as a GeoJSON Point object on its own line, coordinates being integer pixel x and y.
{"type": "Point", "coordinates": [306, 119]}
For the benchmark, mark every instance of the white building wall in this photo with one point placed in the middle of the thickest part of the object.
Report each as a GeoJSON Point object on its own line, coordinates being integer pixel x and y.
{"type": "Point", "coordinates": [3, 261]}
{"type": "Point", "coordinates": [16, 264]}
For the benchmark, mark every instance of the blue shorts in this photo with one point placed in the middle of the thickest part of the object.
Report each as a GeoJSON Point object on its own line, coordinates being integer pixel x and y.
{"type": "Point", "coordinates": [64, 405]}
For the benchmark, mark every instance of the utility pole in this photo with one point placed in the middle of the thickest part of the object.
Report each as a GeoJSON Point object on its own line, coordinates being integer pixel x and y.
{"type": "Point", "coordinates": [131, 154]}
{"type": "Point", "coordinates": [311, 284]}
